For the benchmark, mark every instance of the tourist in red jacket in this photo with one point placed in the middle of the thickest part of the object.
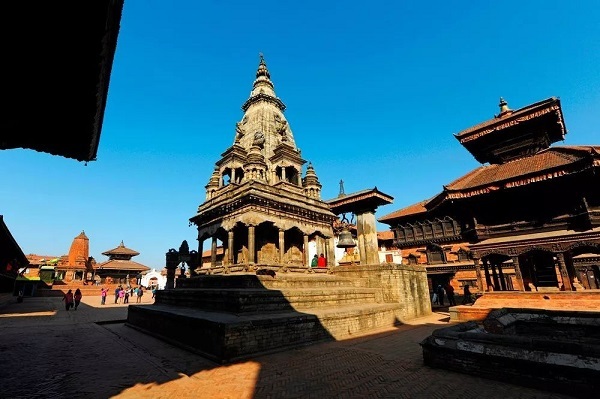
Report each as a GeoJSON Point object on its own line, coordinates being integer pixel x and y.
{"type": "Point", "coordinates": [68, 298]}
{"type": "Point", "coordinates": [322, 262]}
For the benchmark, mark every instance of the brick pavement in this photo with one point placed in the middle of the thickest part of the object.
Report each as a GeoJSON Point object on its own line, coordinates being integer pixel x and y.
{"type": "Point", "coordinates": [47, 352]}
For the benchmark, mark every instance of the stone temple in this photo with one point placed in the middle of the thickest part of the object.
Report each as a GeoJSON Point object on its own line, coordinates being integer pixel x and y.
{"type": "Point", "coordinates": [257, 202]}
{"type": "Point", "coordinates": [264, 296]}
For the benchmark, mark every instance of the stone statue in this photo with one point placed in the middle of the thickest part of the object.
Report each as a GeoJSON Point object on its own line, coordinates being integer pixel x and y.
{"type": "Point", "coordinates": [239, 131]}
{"type": "Point", "coordinates": [282, 130]}
{"type": "Point", "coordinates": [259, 139]}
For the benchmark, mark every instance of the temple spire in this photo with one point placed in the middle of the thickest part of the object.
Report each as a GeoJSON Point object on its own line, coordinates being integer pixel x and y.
{"type": "Point", "coordinates": [262, 88]}
{"type": "Point", "coordinates": [503, 108]}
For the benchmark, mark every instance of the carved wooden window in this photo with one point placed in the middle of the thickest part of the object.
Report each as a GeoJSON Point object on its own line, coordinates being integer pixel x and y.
{"type": "Point", "coordinates": [412, 259]}
{"type": "Point", "coordinates": [400, 234]}
{"type": "Point", "coordinates": [437, 228]}
{"type": "Point", "coordinates": [463, 255]}
{"type": "Point", "coordinates": [428, 231]}
{"type": "Point", "coordinates": [418, 232]}
{"type": "Point", "coordinates": [435, 254]}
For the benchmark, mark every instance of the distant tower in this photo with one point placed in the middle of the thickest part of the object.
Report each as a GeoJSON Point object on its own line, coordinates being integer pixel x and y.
{"type": "Point", "coordinates": [342, 193]}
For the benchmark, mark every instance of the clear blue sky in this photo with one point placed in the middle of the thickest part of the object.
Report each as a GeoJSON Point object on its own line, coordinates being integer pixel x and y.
{"type": "Point", "coordinates": [375, 91]}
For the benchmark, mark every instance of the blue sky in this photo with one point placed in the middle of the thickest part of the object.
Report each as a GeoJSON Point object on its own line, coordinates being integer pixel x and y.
{"type": "Point", "coordinates": [374, 93]}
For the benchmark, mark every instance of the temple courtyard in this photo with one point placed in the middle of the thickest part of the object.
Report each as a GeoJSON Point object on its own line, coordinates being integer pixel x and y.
{"type": "Point", "coordinates": [47, 352]}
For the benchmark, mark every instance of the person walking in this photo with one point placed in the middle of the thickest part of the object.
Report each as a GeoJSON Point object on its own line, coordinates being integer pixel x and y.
{"type": "Point", "coordinates": [77, 297]}
{"type": "Point", "coordinates": [440, 292]}
{"type": "Point", "coordinates": [450, 294]}
{"type": "Point", "coordinates": [103, 294]}
{"type": "Point", "coordinates": [117, 290]}
{"type": "Point", "coordinates": [467, 296]}
{"type": "Point", "coordinates": [121, 295]}
{"type": "Point", "coordinates": [68, 298]}
{"type": "Point", "coordinates": [140, 292]}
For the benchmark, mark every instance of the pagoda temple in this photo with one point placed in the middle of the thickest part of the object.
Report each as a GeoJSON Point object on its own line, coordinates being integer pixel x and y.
{"type": "Point", "coordinates": [258, 203]}
{"type": "Point", "coordinates": [528, 219]}
{"type": "Point", "coordinates": [119, 267]}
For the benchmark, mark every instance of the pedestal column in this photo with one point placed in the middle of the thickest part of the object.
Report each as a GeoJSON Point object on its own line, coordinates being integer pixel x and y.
{"type": "Point", "coordinates": [281, 245]}
{"type": "Point", "coordinates": [488, 280]}
{"type": "Point", "coordinates": [478, 275]}
{"type": "Point", "coordinates": [518, 274]}
{"type": "Point", "coordinates": [367, 229]}
{"type": "Point", "coordinates": [563, 272]}
{"type": "Point", "coordinates": [330, 244]}
{"type": "Point", "coordinates": [213, 252]}
{"type": "Point", "coordinates": [501, 277]}
{"type": "Point", "coordinates": [251, 244]}
{"type": "Point", "coordinates": [305, 251]}
{"type": "Point", "coordinates": [230, 247]}
{"type": "Point", "coordinates": [494, 276]}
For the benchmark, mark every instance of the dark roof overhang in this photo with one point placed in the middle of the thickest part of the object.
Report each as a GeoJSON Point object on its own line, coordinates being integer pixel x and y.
{"type": "Point", "coordinates": [58, 62]}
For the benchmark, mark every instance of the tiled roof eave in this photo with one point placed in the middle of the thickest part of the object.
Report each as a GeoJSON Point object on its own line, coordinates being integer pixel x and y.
{"type": "Point", "coordinates": [481, 129]}
{"type": "Point", "coordinates": [515, 182]}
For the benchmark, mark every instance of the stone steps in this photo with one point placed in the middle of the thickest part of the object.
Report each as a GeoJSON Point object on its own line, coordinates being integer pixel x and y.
{"type": "Point", "coordinates": [225, 337]}
{"type": "Point", "coordinates": [251, 280]}
{"type": "Point", "coordinates": [231, 317]}
{"type": "Point", "coordinates": [240, 300]}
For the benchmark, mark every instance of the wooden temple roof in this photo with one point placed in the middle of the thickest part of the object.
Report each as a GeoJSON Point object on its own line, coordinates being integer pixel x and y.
{"type": "Point", "coordinates": [521, 171]}
{"type": "Point", "coordinates": [121, 250]}
{"type": "Point", "coordinates": [122, 264]}
{"type": "Point", "coordinates": [548, 164]}
{"type": "Point", "coordinates": [59, 61]}
{"type": "Point", "coordinates": [515, 133]}
{"type": "Point", "coordinates": [413, 209]}
{"type": "Point", "coordinates": [370, 198]}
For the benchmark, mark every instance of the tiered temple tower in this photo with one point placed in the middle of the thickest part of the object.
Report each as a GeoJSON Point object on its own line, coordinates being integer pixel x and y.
{"type": "Point", "coordinates": [257, 202]}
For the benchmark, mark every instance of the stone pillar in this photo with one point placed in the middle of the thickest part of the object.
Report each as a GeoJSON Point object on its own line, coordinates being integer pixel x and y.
{"type": "Point", "coordinates": [251, 245]}
{"type": "Point", "coordinates": [213, 252]}
{"type": "Point", "coordinates": [320, 245]}
{"type": "Point", "coordinates": [563, 271]}
{"type": "Point", "coordinates": [501, 277]}
{"type": "Point", "coordinates": [478, 274]}
{"type": "Point", "coordinates": [367, 228]}
{"type": "Point", "coordinates": [488, 280]}
{"type": "Point", "coordinates": [281, 245]}
{"type": "Point", "coordinates": [172, 260]}
{"type": "Point", "coordinates": [307, 260]}
{"type": "Point", "coordinates": [330, 252]}
{"type": "Point", "coordinates": [360, 237]}
{"type": "Point", "coordinates": [200, 250]}
{"type": "Point", "coordinates": [232, 175]}
{"type": "Point", "coordinates": [518, 274]}
{"type": "Point", "coordinates": [494, 276]}
{"type": "Point", "coordinates": [230, 247]}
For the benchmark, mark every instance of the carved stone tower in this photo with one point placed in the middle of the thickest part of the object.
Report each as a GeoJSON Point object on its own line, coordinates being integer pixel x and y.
{"type": "Point", "coordinates": [257, 203]}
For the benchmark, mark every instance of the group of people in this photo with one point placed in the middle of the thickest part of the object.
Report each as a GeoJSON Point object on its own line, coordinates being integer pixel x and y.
{"type": "Point", "coordinates": [122, 295]}
{"type": "Point", "coordinates": [447, 290]}
{"type": "Point", "coordinates": [72, 300]}
{"type": "Point", "coordinates": [319, 261]}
